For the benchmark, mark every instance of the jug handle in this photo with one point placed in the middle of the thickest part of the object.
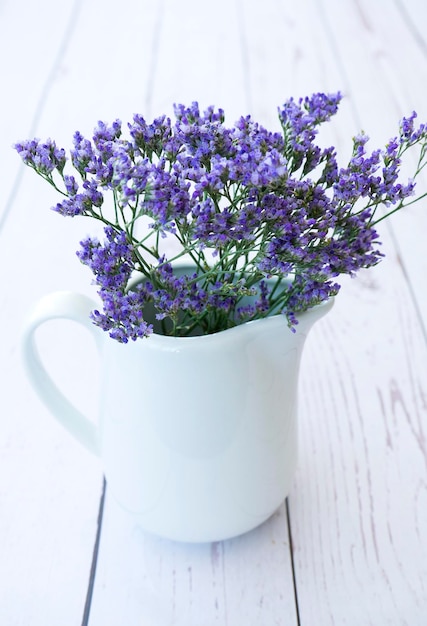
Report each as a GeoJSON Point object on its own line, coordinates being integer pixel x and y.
{"type": "Point", "coordinates": [60, 305]}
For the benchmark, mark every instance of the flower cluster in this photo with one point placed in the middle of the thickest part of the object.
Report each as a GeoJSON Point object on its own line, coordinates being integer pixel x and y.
{"type": "Point", "coordinates": [267, 220]}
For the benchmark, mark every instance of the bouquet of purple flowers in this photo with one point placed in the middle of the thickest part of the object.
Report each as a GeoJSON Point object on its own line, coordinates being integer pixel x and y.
{"type": "Point", "coordinates": [266, 221]}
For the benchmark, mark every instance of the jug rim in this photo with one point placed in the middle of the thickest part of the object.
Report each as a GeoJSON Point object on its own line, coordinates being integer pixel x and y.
{"type": "Point", "coordinates": [279, 319]}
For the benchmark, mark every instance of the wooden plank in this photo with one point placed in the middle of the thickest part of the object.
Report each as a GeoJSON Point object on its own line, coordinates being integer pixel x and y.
{"type": "Point", "coordinates": [287, 56]}
{"type": "Point", "coordinates": [377, 44]}
{"type": "Point", "coordinates": [32, 45]}
{"type": "Point", "coordinates": [145, 580]}
{"type": "Point", "coordinates": [358, 558]}
{"type": "Point", "coordinates": [359, 501]}
{"type": "Point", "coordinates": [50, 487]}
{"type": "Point", "coordinates": [199, 56]}
{"type": "Point", "coordinates": [404, 91]}
{"type": "Point", "coordinates": [48, 509]}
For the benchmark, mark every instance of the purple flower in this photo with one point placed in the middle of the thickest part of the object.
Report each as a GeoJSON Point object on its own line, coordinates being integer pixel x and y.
{"type": "Point", "coordinates": [79, 203]}
{"type": "Point", "coordinates": [112, 262]}
{"type": "Point", "coordinates": [358, 180]}
{"type": "Point", "coordinates": [71, 185]}
{"type": "Point", "coordinates": [268, 220]}
{"type": "Point", "coordinates": [82, 154]}
{"type": "Point", "coordinates": [122, 315]}
{"type": "Point", "coordinates": [152, 138]}
{"type": "Point", "coordinates": [44, 157]}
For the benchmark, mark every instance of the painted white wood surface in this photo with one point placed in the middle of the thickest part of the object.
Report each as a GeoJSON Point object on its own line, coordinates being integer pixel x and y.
{"type": "Point", "coordinates": [358, 508]}
{"type": "Point", "coordinates": [150, 581]}
{"type": "Point", "coordinates": [49, 487]}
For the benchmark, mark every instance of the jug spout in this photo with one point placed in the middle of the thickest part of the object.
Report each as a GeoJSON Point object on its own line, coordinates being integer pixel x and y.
{"type": "Point", "coordinates": [308, 318]}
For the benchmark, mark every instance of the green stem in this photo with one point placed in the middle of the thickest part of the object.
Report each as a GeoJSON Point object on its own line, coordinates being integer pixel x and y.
{"type": "Point", "coordinates": [400, 206]}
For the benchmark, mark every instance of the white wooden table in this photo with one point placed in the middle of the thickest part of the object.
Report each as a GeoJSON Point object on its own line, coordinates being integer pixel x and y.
{"type": "Point", "coordinates": [349, 547]}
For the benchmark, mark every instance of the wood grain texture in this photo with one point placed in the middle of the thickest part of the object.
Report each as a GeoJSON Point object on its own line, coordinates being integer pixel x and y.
{"type": "Point", "coordinates": [56, 69]}
{"type": "Point", "coordinates": [360, 490]}
{"type": "Point", "coordinates": [358, 508]}
{"type": "Point", "coordinates": [362, 470]}
{"type": "Point", "coordinates": [157, 582]}
{"type": "Point", "coordinates": [49, 488]}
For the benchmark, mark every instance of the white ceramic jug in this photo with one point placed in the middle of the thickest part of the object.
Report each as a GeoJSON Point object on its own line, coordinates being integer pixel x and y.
{"type": "Point", "coordinates": [197, 435]}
